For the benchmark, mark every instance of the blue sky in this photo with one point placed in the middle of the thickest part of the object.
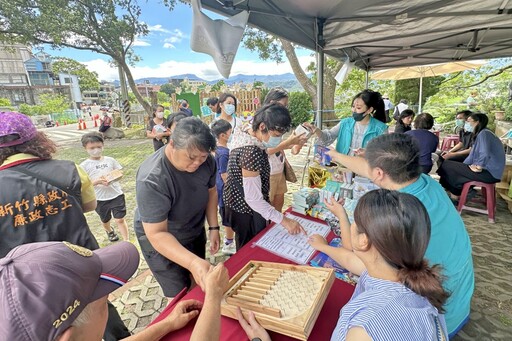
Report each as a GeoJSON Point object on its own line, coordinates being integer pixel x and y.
{"type": "Point", "coordinates": [165, 51]}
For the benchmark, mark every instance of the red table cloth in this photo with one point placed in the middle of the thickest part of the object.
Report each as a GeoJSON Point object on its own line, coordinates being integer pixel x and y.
{"type": "Point", "coordinates": [339, 295]}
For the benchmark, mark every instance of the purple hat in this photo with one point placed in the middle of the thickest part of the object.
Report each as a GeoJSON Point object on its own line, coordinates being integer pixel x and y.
{"type": "Point", "coordinates": [14, 123]}
{"type": "Point", "coordinates": [45, 286]}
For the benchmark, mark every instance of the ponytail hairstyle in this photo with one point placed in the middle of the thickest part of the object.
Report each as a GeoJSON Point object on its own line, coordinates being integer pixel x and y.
{"type": "Point", "coordinates": [398, 226]}
{"type": "Point", "coordinates": [374, 100]}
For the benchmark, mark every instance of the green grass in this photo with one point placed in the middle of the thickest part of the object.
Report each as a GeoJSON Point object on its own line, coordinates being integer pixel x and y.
{"type": "Point", "coordinates": [130, 154]}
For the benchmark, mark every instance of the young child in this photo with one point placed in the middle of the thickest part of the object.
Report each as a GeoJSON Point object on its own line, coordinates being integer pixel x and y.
{"type": "Point", "coordinates": [222, 129]}
{"type": "Point", "coordinates": [109, 195]}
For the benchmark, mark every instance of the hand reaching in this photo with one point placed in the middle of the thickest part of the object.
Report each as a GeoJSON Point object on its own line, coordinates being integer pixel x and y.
{"type": "Point", "coordinates": [336, 207]}
{"type": "Point", "coordinates": [292, 226]}
{"type": "Point", "coordinates": [251, 327]}
{"type": "Point", "coordinates": [216, 281]}
{"type": "Point", "coordinates": [183, 313]}
{"type": "Point", "coordinates": [199, 268]}
{"type": "Point", "coordinates": [317, 241]}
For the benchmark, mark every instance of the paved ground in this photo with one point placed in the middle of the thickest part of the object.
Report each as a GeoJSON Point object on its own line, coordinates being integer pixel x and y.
{"type": "Point", "coordinates": [491, 317]}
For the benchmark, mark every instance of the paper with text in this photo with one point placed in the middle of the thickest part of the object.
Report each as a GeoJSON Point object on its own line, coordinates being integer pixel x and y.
{"type": "Point", "coordinates": [292, 247]}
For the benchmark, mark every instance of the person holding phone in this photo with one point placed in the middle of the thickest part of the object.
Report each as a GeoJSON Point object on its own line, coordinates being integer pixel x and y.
{"type": "Point", "coordinates": [353, 133]}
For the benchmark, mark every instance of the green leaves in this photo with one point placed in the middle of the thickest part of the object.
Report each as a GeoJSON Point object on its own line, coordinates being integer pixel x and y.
{"type": "Point", "coordinates": [88, 80]}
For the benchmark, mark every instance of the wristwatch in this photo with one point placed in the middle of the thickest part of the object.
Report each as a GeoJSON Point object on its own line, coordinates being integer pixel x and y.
{"type": "Point", "coordinates": [256, 339]}
{"type": "Point", "coordinates": [213, 228]}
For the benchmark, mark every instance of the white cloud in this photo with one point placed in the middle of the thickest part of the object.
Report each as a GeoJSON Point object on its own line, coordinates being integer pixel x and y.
{"type": "Point", "coordinates": [176, 36]}
{"type": "Point", "coordinates": [140, 43]}
{"type": "Point", "coordinates": [169, 46]}
{"type": "Point", "coordinates": [206, 70]}
{"type": "Point", "coordinates": [158, 28]}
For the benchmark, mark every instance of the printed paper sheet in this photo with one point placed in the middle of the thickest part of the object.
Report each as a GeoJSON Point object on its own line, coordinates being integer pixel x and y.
{"type": "Point", "coordinates": [293, 247]}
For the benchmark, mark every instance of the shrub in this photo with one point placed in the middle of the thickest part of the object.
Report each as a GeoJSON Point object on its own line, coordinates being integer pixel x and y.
{"type": "Point", "coordinates": [301, 107]}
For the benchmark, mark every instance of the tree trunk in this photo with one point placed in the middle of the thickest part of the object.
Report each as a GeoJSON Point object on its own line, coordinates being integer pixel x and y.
{"type": "Point", "coordinates": [133, 86]}
{"type": "Point", "coordinates": [302, 77]}
{"type": "Point", "coordinates": [330, 71]}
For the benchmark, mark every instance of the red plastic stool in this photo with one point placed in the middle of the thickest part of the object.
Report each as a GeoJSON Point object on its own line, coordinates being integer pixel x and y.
{"type": "Point", "coordinates": [449, 142]}
{"type": "Point", "coordinates": [489, 194]}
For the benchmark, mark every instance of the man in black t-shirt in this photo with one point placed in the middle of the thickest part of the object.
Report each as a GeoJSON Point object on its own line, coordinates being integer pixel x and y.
{"type": "Point", "coordinates": [175, 191]}
{"type": "Point", "coordinates": [461, 150]}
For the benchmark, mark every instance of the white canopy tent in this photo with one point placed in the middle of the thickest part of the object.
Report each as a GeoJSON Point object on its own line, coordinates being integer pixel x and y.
{"type": "Point", "coordinates": [385, 34]}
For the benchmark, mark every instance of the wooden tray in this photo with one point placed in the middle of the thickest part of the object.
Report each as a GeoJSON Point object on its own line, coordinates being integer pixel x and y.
{"type": "Point", "coordinates": [285, 298]}
{"type": "Point", "coordinates": [116, 174]}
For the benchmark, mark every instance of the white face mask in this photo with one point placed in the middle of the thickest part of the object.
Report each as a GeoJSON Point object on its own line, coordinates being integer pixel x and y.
{"type": "Point", "coordinates": [159, 114]}
{"type": "Point", "coordinates": [229, 109]}
{"type": "Point", "coordinates": [96, 152]}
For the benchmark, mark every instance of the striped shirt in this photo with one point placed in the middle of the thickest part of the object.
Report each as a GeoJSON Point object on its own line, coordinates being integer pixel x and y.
{"type": "Point", "coordinates": [389, 311]}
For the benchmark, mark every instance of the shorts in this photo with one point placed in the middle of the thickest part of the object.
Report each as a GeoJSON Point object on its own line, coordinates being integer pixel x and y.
{"type": "Point", "coordinates": [171, 276]}
{"type": "Point", "coordinates": [277, 185]}
{"type": "Point", "coordinates": [224, 217]}
{"type": "Point", "coordinates": [108, 208]}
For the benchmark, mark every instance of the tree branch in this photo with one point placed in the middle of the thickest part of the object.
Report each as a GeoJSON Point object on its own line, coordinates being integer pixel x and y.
{"type": "Point", "coordinates": [485, 78]}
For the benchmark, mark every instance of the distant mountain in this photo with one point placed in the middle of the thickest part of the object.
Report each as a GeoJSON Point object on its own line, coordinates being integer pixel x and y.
{"type": "Point", "coordinates": [260, 78]}
{"type": "Point", "coordinates": [286, 80]}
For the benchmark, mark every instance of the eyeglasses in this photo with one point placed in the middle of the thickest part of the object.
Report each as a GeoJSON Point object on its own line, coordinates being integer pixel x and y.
{"type": "Point", "coordinates": [281, 130]}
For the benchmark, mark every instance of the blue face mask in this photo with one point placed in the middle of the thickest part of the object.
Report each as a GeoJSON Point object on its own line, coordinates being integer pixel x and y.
{"type": "Point", "coordinates": [273, 141]}
{"type": "Point", "coordinates": [229, 109]}
{"type": "Point", "coordinates": [459, 123]}
{"type": "Point", "coordinates": [468, 127]}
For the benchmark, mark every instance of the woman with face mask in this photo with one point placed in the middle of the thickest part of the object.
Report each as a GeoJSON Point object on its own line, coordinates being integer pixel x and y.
{"type": "Point", "coordinates": [353, 133]}
{"type": "Point", "coordinates": [485, 162]}
{"type": "Point", "coordinates": [227, 105]}
{"type": "Point", "coordinates": [157, 128]}
{"type": "Point", "coordinates": [246, 190]}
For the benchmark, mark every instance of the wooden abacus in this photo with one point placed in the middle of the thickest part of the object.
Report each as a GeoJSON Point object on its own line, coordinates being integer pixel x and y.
{"type": "Point", "coordinates": [285, 298]}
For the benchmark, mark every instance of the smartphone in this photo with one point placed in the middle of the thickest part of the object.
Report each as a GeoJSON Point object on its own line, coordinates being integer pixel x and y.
{"type": "Point", "coordinates": [301, 129]}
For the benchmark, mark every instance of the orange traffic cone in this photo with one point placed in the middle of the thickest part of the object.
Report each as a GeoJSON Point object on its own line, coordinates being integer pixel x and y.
{"type": "Point", "coordinates": [80, 124]}
{"type": "Point", "coordinates": [95, 123]}
{"type": "Point", "coordinates": [57, 123]}
{"type": "Point", "coordinates": [85, 125]}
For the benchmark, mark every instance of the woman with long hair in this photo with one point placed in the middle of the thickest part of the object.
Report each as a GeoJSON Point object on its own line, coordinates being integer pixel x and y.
{"type": "Point", "coordinates": [353, 133]}
{"type": "Point", "coordinates": [399, 295]}
{"type": "Point", "coordinates": [227, 106]}
{"type": "Point", "coordinates": [157, 128]}
{"type": "Point", "coordinates": [404, 121]}
{"type": "Point", "coordinates": [485, 162]}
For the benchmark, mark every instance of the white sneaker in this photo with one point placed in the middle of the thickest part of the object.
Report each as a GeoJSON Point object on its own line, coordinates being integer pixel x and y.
{"type": "Point", "coordinates": [229, 249]}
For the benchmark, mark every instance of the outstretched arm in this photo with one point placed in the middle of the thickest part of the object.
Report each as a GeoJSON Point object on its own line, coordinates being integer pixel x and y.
{"type": "Point", "coordinates": [342, 256]}
{"type": "Point", "coordinates": [356, 164]}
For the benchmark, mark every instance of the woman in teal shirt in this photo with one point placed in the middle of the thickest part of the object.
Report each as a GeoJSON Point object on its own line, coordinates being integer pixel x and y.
{"type": "Point", "coordinates": [353, 133]}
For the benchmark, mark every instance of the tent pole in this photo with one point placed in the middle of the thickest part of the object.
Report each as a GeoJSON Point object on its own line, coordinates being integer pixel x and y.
{"type": "Point", "coordinates": [367, 79]}
{"type": "Point", "coordinates": [320, 88]}
{"type": "Point", "coordinates": [320, 71]}
{"type": "Point", "coordinates": [421, 93]}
